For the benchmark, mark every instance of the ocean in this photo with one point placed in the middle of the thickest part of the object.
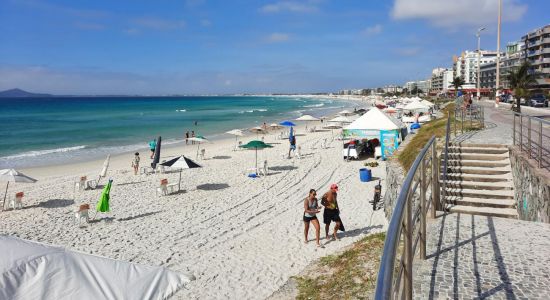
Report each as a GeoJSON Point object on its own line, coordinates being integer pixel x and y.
{"type": "Point", "coordinates": [48, 131]}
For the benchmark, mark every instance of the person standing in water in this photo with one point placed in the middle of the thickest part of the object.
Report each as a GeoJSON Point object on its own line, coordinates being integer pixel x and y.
{"type": "Point", "coordinates": [193, 135]}
{"type": "Point", "coordinates": [187, 137]}
{"type": "Point", "coordinates": [311, 208]}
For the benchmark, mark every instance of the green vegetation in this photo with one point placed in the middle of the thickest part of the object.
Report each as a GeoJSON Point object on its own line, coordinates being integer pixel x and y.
{"type": "Point", "coordinates": [457, 83]}
{"type": "Point", "coordinates": [350, 275]}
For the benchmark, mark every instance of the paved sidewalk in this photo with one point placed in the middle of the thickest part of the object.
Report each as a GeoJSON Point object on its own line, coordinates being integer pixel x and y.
{"type": "Point", "coordinates": [476, 257]}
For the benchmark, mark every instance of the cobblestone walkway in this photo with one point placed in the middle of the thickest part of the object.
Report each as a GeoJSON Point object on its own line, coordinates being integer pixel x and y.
{"type": "Point", "coordinates": [476, 257]}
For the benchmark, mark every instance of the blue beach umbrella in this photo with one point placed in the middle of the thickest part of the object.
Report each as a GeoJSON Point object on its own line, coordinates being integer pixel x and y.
{"type": "Point", "coordinates": [287, 123]}
{"type": "Point", "coordinates": [415, 126]}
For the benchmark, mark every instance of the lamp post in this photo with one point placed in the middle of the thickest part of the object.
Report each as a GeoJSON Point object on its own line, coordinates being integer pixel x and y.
{"type": "Point", "coordinates": [478, 34]}
{"type": "Point", "coordinates": [497, 94]}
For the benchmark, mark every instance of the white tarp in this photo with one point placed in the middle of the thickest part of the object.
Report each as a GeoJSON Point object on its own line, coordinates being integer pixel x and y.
{"type": "Point", "coordinates": [33, 270]}
{"type": "Point", "coordinates": [375, 119]}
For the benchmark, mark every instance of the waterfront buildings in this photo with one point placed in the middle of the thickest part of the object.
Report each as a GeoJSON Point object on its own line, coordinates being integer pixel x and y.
{"type": "Point", "coordinates": [537, 48]}
{"type": "Point", "coordinates": [441, 80]}
{"type": "Point", "coordinates": [465, 66]}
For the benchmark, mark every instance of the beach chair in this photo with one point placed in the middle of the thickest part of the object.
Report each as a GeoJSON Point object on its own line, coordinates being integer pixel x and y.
{"type": "Point", "coordinates": [324, 144]}
{"type": "Point", "coordinates": [82, 213]}
{"type": "Point", "coordinates": [165, 188]}
{"type": "Point", "coordinates": [298, 153]}
{"type": "Point", "coordinates": [147, 170]}
{"type": "Point", "coordinates": [17, 201]}
{"type": "Point", "coordinates": [237, 147]}
{"type": "Point", "coordinates": [201, 155]}
{"type": "Point", "coordinates": [264, 169]}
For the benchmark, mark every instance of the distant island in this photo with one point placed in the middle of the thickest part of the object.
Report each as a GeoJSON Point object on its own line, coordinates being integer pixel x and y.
{"type": "Point", "coordinates": [19, 93]}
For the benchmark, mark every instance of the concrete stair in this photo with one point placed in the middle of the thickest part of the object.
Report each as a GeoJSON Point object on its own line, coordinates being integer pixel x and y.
{"type": "Point", "coordinates": [479, 180]}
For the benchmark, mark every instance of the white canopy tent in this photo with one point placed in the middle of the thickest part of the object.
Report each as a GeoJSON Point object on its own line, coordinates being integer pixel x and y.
{"type": "Point", "coordinates": [33, 270]}
{"type": "Point", "coordinates": [427, 103]}
{"type": "Point", "coordinates": [416, 105]}
{"type": "Point", "coordinates": [375, 119]}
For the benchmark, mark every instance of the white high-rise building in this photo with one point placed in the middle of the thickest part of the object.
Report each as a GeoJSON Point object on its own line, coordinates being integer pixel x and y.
{"type": "Point", "coordinates": [465, 65]}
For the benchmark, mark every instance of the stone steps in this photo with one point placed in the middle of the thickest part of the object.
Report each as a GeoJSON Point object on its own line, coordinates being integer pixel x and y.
{"type": "Point", "coordinates": [479, 180]}
{"type": "Point", "coordinates": [478, 150]}
{"type": "Point", "coordinates": [480, 193]}
{"type": "Point", "coordinates": [456, 184]}
{"type": "Point", "coordinates": [478, 170]}
{"type": "Point", "coordinates": [481, 202]}
{"type": "Point", "coordinates": [510, 213]}
{"type": "Point", "coordinates": [476, 163]}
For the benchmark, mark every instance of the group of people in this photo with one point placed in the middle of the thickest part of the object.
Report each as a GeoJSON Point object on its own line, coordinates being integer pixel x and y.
{"type": "Point", "coordinates": [187, 136]}
{"type": "Point", "coordinates": [331, 213]}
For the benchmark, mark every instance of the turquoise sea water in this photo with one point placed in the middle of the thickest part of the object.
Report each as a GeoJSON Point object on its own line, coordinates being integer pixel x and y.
{"type": "Point", "coordinates": [44, 131]}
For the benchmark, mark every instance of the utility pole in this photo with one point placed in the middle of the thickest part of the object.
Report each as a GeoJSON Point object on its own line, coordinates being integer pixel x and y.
{"type": "Point", "coordinates": [497, 98]}
{"type": "Point", "coordinates": [478, 34]}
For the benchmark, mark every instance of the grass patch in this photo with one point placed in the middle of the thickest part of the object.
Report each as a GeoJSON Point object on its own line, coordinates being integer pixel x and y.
{"type": "Point", "coordinates": [435, 127]}
{"type": "Point", "coordinates": [349, 275]}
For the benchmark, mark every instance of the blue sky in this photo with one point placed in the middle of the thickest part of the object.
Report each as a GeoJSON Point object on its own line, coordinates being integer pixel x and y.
{"type": "Point", "coordinates": [207, 46]}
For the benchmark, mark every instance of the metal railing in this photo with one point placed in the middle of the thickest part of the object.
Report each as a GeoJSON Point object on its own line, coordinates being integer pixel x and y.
{"type": "Point", "coordinates": [407, 228]}
{"type": "Point", "coordinates": [473, 117]}
{"type": "Point", "coordinates": [532, 135]}
{"type": "Point", "coordinates": [445, 162]}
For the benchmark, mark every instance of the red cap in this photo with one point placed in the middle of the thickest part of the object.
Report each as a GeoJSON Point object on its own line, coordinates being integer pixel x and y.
{"type": "Point", "coordinates": [334, 186]}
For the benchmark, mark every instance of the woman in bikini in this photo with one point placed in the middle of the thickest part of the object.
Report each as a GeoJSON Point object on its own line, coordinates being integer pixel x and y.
{"type": "Point", "coordinates": [311, 208]}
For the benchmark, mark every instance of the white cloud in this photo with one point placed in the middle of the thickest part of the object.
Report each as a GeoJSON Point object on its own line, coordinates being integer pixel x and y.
{"type": "Point", "coordinates": [158, 23]}
{"type": "Point", "coordinates": [372, 30]}
{"type": "Point", "coordinates": [277, 37]}
{"type": "Point", "coordinates": [451, 14]}
{"type": "Point", "coordinates": [291, 6]}
{"type": "Point", "coordinates": [206, 23]}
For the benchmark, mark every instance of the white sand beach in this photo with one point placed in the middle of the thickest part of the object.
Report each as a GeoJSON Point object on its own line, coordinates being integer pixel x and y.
{"type": "Point", "coordinates": [242, 238]}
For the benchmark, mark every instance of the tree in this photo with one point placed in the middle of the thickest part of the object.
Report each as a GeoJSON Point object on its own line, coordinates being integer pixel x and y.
{"type": "Point", "coordinates": [457, 83]}
{"type": "Point", "coordinates": [521, 80]}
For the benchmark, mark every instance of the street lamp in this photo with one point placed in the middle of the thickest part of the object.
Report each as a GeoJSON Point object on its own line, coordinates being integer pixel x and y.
{"type": "Point", "coordinates": [497, 94]}
{"type": "Point", "coordinates": [478, 34]}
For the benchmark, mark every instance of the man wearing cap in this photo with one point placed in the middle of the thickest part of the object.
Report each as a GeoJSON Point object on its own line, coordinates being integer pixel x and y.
{"type": "Point", "coordinates": [331, 212]}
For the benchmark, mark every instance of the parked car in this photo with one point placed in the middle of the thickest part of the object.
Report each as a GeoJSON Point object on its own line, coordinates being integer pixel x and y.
{"type": "Point", "coordinates": [538, 100]}
{"type": "Point", "coordinates": [522, 101]}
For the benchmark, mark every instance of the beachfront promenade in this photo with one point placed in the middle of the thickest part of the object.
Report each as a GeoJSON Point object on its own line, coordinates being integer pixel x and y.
{"type": "Point", "coordinates": [477, 257]}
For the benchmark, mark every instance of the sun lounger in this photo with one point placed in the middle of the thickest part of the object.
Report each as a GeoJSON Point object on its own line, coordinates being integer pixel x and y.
{"type": "Point", "coordinates": [264, 170]}
{"type": "Point", "coordinates": [165, 188]}
{"type": "Point", "coordinates": [147, 170]}
{"type": "Point", "coordinates": [201, 155]}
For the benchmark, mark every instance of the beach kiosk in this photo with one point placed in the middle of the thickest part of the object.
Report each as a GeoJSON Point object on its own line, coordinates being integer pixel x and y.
{"type": "Point", "coordinates": [375, 124]}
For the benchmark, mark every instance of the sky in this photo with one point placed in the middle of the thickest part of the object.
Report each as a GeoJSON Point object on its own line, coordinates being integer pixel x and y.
{"type": "Point", "coordinates": [92, 47]}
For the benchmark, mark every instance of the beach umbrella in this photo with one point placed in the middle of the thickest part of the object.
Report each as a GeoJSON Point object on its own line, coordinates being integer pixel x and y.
{"type": "Point", "coordinates": [257, 130]}
{"type": "Point", "coordinates": [341, 119]}
{"type": "Point", "coordinates": [156, 158]}
{"type": "Point", "coordinates": [103, 172]}
{"type": "Point", "coordinates": [415, 126]}
{"type": "Point", "coordinates": [15, 176]}
{"type": "Point", "coordinates": [103, 203]}
{"type": "Point", "coordinates": [287, 123]}
{"type": "Point", "coordinates": [346, 112]}
{"type": "Point", "coordinates": [275, 126]}
{"type": "Point", "coordinates": [256, 145]}
{"type": "Point", "coordinates": [181, 162]}
{"type": "Point", "coordinates": [307, 119]}
{"type": "Point", "coordinates": [199, 139]}
{"type": "Point", "coordinates": [236, 133]}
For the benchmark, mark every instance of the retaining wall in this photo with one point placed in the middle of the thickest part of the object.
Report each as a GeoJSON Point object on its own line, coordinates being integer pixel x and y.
{"type": "Point", "coordinates": [531, 188]}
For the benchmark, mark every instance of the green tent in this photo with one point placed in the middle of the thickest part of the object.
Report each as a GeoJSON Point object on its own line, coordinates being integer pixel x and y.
{"type": "Point", "coordinates": [103, 204]}
{"type": "Point", "coordinates": [256, 145]}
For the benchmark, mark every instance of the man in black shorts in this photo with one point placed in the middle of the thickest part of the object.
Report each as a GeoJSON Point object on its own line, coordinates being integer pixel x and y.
{"type": "Point", "coordinates": [331, 212]}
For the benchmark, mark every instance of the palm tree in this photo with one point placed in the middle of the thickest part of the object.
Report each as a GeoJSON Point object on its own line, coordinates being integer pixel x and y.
{"type": "Point", "coordinates": [457, 83]}
{"type": "Point", "coordinates": [520, 80]}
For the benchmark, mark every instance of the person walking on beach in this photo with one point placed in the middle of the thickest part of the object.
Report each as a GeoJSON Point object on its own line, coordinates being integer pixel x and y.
{"type": "Point", "coordinates": [152, 147]}
{"type": "Point", "coordinates": [292, 144]}
{"type": "Point", "coordinates": [187, 137]}
{"type": "Point", "coordinates": [311, 208]}
{"type": "Point", "coordinates": [193, 135]}
{"type": "Point", "coordinates": [135, 163]}
{"type": "Point", "coordinates": [331, 212]}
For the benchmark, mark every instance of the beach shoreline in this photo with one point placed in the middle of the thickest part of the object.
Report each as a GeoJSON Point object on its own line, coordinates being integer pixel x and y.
{"type": "Point", "coordinates": [240, 237]}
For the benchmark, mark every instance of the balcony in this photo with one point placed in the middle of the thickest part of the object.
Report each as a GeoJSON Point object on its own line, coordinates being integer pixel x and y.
{"type": "Point", "coordinates": [545, 51]}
